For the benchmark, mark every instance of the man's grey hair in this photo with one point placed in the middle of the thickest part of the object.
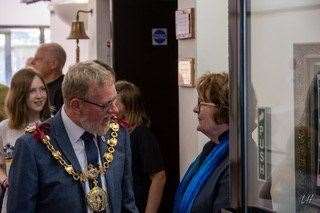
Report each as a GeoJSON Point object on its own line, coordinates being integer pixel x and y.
{"type": "Point", "coordinates": [81, 76]}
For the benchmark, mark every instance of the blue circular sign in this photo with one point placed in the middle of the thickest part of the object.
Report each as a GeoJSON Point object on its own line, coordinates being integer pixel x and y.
{"type": "Point", "coordinates": [159, 36]}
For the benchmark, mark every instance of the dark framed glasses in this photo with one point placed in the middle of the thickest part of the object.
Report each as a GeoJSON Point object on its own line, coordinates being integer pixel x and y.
{"type": "Point", "coordinates": [104, 107]}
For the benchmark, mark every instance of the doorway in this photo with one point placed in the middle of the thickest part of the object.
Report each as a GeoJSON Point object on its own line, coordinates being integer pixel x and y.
{"type": "Point", "coordinates": [153, 68]}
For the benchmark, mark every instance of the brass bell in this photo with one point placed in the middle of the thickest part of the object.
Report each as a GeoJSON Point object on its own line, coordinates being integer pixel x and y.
{"type": "Point", "coordinates": [78, 31]}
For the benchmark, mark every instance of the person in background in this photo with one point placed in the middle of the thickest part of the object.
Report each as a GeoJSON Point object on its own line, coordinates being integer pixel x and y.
{"type": "Point", "coordinates": [28, 62]}
{"type": "Point", "coordinates": [147, 165]}
{"type": "Point", "coordinates": [49, 61]}
{"type": "Point", "coordinates": [78, 161]}
{"type": "Point", "coordinates": [26, 104]}
{"type": "Point", "coordinates": [205, 186]}
{"type": "Point", "coordinates": [3, 93]}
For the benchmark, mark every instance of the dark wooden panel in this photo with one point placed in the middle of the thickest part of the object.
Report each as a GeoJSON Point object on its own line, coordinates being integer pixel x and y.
{"type": "Point", "coordinates": [154, 70]}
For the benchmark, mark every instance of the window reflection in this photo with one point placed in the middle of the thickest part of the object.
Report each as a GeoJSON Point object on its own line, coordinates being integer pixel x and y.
{"type": "Point", "coordinates": [16, 46]}
{"type": "Point", "coordinates": [24, 43]}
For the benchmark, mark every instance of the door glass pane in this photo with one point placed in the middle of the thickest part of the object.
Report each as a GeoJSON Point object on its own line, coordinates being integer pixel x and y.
{"type": "Point", "coordinates": [283, 65]}
{"type": "Point", "coordinates": [24, 43]}
{"type": "Point", "coordinates": [47, 35]}
{"type": "Point", "coordinates": [2, 60]}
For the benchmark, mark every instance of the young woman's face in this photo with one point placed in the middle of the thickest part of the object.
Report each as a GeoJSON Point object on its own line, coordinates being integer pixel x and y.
{"type": "Point", "coordinates": [37, 96]}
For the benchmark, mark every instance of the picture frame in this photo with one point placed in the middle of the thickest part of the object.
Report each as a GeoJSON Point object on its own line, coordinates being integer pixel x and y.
{"type": "Point", "coordinates": [184, 19]}
{"type": "Point", "coordinates": [186, 73]}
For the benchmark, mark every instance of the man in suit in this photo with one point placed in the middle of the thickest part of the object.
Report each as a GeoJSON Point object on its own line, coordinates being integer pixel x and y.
{"type": "Point", "coordinates": [49, 61]}
{"type": "Point", "coordinates": [80, 169]}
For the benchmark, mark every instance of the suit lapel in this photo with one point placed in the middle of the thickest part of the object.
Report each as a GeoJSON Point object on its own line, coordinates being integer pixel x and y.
{"type": "Point", "coordinates": [61, 138]}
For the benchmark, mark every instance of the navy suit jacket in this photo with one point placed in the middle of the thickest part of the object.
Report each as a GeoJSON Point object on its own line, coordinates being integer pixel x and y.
{"type": "Point", "coordinates": [38, 183]}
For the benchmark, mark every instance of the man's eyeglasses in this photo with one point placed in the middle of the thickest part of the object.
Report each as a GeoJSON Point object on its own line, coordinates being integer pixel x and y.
{"type": "Point", "coordinates": [104, 107]}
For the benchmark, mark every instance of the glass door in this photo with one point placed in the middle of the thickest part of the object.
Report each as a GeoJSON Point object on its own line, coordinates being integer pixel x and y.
{"type": "Point", "coordinates": [275, 68]}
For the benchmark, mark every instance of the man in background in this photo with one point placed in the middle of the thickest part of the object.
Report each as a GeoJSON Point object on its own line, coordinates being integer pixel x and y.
{"type": "Point", "coordinates": [49, 61]}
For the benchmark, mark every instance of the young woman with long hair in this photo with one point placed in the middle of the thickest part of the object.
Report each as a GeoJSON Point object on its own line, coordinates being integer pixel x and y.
{"type": "Point", "coordinates": [26, 104]}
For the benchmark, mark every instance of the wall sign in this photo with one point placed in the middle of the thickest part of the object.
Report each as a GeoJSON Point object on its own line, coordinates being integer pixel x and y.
{"type": "Point", "coordinates": [264, 143]}
{"type": "Point", "coordinates": [184, 23]}
{"type": "Point", "coordinates": [186, 72]}
{"type": "Point", "coordinates": [159, 36]}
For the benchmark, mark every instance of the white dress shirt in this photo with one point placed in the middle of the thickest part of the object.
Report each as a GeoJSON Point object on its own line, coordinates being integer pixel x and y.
{"type": "Point", "coordinates": [74, 133]}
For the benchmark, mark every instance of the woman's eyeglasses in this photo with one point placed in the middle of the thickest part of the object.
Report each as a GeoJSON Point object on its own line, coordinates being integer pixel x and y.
{"type": "Point", "coordinates": [203, 103]}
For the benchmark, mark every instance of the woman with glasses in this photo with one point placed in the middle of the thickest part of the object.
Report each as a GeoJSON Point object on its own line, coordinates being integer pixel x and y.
{"type": "Point", "coordinates": [26, 104]}
{"type": "Point", "coordinates": [147, 166]}
{"type": "Point", "coordinates": [205, 186]}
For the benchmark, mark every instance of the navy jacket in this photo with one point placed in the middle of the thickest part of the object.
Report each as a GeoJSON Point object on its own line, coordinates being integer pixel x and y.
{"type": "Point", "coordinates": [39, 184]}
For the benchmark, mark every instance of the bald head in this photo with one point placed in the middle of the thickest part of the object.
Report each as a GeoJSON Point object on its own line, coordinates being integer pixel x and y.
{"type": "Point", "coordinates": [55, 51]}
{"type": "Point", "coordinates": [49, 61]}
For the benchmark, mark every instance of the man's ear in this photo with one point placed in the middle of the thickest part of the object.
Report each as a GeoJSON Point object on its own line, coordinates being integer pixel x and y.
{"type": "Point", "coordinates": [75, 105]}
{"type": "Point", "coordinates": [54, 63]}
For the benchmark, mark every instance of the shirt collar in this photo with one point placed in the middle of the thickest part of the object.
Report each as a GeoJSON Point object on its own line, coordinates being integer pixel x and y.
{"type": "Point", "coordinates": [73, 130]}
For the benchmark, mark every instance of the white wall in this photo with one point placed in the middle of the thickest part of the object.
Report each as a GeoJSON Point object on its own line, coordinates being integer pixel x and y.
{"type": "Point", "coordinates": [212, 36]}
{"type": "Point", "coordinates": [212, 41]}
{"type": "Point", "coordinates": [12, 12]}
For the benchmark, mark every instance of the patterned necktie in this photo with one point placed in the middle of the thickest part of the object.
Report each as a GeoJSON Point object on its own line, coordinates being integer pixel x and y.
{"type": "Point", "coordinates": [90, 148]}
{"type": "Point", "coordinates": [92, 154]}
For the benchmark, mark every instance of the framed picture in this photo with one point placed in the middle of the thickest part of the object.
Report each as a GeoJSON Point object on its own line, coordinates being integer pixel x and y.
{"type": "Point", "coordinates": [184, 23]}
{"type": "Point", "coordinates": [186, 72]}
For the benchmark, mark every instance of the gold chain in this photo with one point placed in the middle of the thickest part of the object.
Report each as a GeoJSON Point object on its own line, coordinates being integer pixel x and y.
{"type": "Point", "coordinates": [91, 172]}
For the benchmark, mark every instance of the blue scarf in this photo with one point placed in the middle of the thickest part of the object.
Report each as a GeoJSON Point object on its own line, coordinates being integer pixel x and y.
{"type": "Point", "coordinates": [198, 174]}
